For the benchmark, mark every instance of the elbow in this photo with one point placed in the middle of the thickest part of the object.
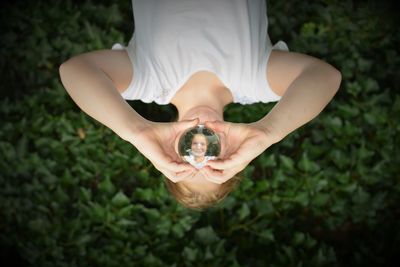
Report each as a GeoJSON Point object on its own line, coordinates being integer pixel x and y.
{"type": "Point", "coordinates": [63, 73]}
{"type": "Point", "coordinates": [334, 78]}
{"type": "Point", "coordinates": [69, 69]}
{"type": "Point", "coordinates": [337, 77]}
{"type": "Point", "coordinates": [331, 76]}
{"type": "Point", "coordinates": [63, 70]}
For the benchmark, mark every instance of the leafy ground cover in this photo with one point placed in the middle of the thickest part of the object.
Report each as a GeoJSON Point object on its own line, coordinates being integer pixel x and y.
{"type": "Point", "coordinates": [74, 194]}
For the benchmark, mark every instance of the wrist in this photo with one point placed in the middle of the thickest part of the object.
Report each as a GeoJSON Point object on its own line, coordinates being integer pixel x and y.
{"type": "Point", "coordinates": [272, 134]}
{"type": "Point", "coordinates": [135, 128]}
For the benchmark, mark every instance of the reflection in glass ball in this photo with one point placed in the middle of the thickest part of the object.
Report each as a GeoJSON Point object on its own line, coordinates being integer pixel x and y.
{"type": "Point", "coordinates": [198, 145]}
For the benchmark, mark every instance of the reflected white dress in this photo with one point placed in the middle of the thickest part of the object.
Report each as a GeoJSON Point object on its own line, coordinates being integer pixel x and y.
{"type": "Point", "coordinates": [190, 159]}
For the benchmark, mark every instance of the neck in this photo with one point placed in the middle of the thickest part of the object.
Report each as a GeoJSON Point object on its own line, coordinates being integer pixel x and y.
{"type": "Point", "coordinates": [203, 103]}
{"type": "Point", "coordinates": [205, 112]}
{"type": "Point", "coordinates": [203, 97]}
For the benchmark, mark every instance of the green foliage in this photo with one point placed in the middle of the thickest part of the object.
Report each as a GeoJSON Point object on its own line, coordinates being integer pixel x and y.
{"type": "Point", "coordinates": [73, 194]}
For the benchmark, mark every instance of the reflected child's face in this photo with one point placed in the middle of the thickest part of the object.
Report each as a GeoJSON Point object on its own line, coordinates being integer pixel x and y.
{"type": "Point", "coordinates": [199, 145]}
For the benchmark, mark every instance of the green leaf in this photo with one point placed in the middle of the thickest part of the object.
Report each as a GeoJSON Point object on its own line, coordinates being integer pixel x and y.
{"type": "Point", "coordinates": [361, 196]}
{"type": "Point", "coordinates": [302, 198]}
{"type": "Point", "coordinates": [38, 225]}
{"type": "Point", "coordinates": [229, 203]}
{"type": "Point", "coordinates": [348, 111]}
{"type": "Point", "coordinates": [120, 199]}
{"type": "Point", "coordinates": [144, 194]}
{"type": "Point", "coordinates": [189, 254]}
{"type": "Point", "coordinates": [350, 188]}
{"type": "Point", "coordinates": [8, 152]}
{"type": "Point", "coordinates": [298, 238]}
{"type": "Point", "coordinates": [267, 161]}
{"type": "Point", "coordinates": [153, 215]}
{"type": "Point", "coordinates": [22, 147]}
{"type": "Point", "coordinates": [97, 212]}
{"type": "Point", "coordinates": [163, 227]}
{"type": "Point", "coordinates": [140, 250]}
{"type": "Point", "coordinates": [244, 211]}
{"type": "Point", "coordinates": [125, 222]}
{"type": "Point", "coordinates": [85, 194]}
{"type": "Point", "coordinates": [206, 235]}
{"type": "Point", "coordinates": [339, 159]}
{"type": "Point", "coordinates": [286, 162]}
{"type": "Point", "coordinates": [125, 211]}
{"type": "Point", "coordinates": [264, 207]}
{"type": "Point", "coordinates": [310, 242]}
{"type": "Point", "coordinates": [306, 165]}
{"type": "Point", "coordinates": [178, 230]}
{"type": "Point", "coordinates": [267, 235]}
{"type": "Point", "coordinates": [61, 196]}
{"type": "Point", "coordinates": [320, 199]}
{"type": "Point", "coordinates": [83, 239]}
{"type": "Point", "coordinates": [107, 186]}
{"type": "Point", "coordinates": [208, 255]}
{"type": "Point", "coordinates": [262, 186]}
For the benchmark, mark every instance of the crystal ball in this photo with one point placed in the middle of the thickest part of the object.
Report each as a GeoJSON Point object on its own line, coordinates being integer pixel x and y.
{"type": "Point", "coordinates": [198, 145]}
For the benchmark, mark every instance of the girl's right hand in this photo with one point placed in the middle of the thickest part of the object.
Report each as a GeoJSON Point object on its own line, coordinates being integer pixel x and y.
{"type": "Point", "coordinates": [156, 142]}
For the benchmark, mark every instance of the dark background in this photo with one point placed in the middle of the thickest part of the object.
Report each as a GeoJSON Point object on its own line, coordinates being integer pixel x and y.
{"type": "Point", "coordinates": [73, 194]}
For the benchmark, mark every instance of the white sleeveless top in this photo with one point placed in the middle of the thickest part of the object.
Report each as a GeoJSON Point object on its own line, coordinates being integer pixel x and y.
{"type": "Point", "coordinates": [174, 39]}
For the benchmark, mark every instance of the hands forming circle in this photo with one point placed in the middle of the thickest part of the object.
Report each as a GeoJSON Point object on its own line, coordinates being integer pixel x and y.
{"type": "Point", "coordinates": [240, 144]}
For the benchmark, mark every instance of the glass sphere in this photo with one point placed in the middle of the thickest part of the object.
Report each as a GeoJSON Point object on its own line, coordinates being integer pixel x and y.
{"type": "Point", "coordinates": [198, 145]}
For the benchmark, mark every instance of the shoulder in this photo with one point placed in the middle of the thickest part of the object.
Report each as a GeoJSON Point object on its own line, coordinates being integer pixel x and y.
{"type": "Point", "coordinates": [114, 63]}
{"type": "Point", "coordinates": [284, 67]}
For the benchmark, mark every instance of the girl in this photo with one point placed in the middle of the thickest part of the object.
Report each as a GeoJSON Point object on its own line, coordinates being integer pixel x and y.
{"type": "Point", "coordinates": [196, 154]}
{"type": "Point", "coordinates": [200, 56]}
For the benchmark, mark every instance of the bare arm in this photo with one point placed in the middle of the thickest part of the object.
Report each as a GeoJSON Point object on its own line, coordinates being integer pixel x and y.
{"type": "Point", "coordinates": [94, 81]}
{"type": "Point", "coordinates": [307, 85]}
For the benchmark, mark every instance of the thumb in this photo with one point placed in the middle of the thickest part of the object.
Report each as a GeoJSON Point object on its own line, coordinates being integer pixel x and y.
{"type": "Point", "coordinates": [217, 126]}
{"type": "Point", "coordinates": [186, 124]}
{"type": "Point", "coordinates": [220, 164]}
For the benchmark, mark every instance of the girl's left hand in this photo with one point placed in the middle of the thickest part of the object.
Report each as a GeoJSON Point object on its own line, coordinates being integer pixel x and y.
{"type": "Point", "coordinates": [242, 143]}
{"type": "Point", "coordinates": [156, 142]}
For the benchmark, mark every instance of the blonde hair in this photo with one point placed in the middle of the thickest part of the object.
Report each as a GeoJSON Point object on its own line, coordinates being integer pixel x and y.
{"type": "Point", "coordinates": [198, 201]}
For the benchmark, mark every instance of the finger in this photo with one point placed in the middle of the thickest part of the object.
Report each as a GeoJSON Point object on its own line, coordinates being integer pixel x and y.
{"type": "Point", "coordinates": [186, 124]}
{"type": "Point", "coordinates": [185, 175]}
{"type": "Point", "coordinates": [179, 167]}
{"type": "Point", "coordinates": [214, 176]}
{"type": "Point", "coordinates": [177, 177]}
{"type": "Point", "coordinates": [235, 159]}
{"type": "Point", "coordinates": [222, 141]}
{"type": "Point", "coordinates": [215, 180]}
{"type": "Point", "coordinates": [170, 175]}
{"type": "Point", "coordinates": [223, 164]}
{"type": "Point", "coordinates": [217, 126]}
